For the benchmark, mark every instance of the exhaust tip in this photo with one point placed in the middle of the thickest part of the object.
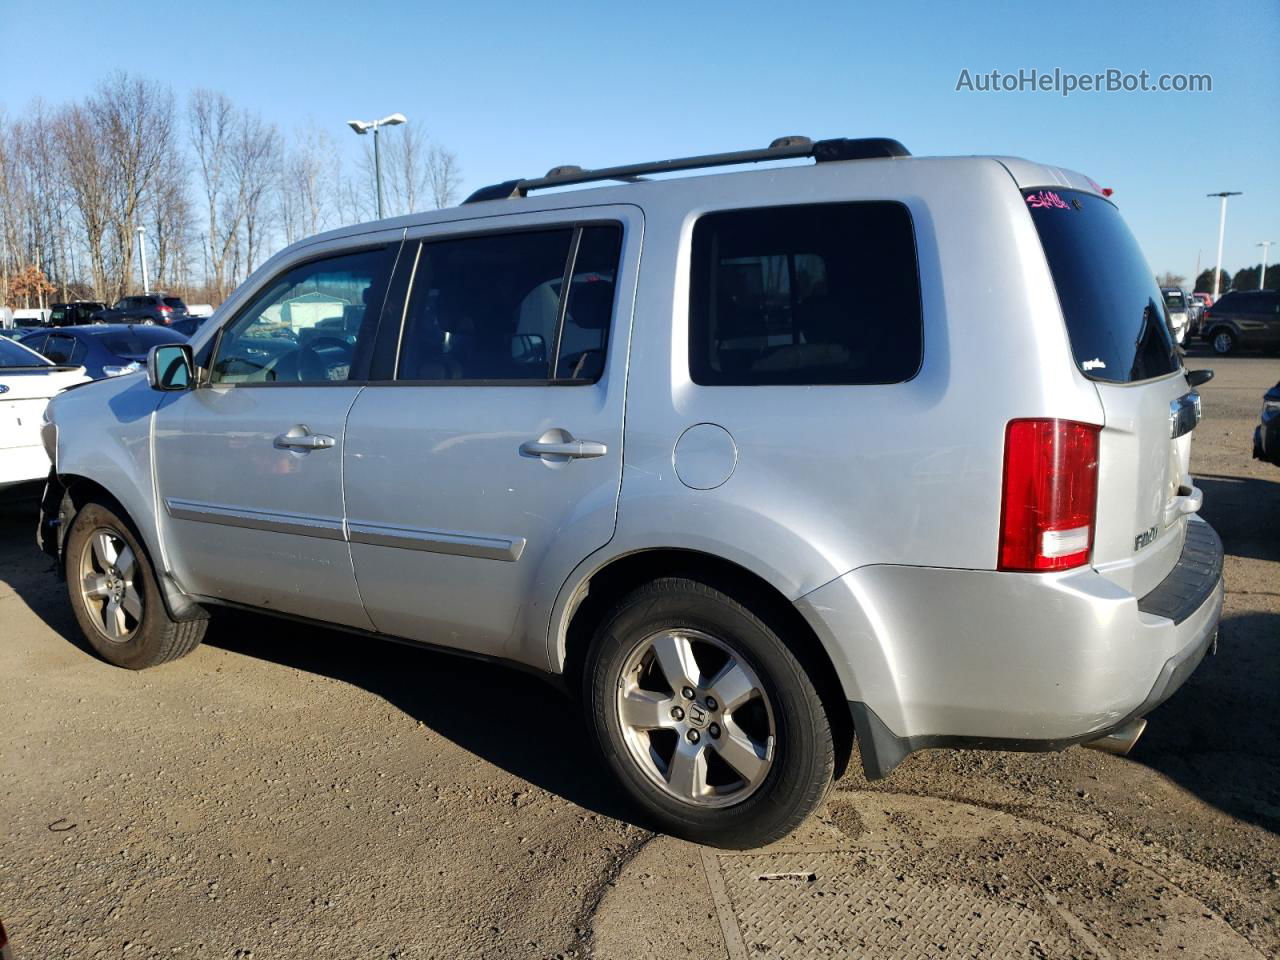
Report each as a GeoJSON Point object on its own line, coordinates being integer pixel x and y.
{"type": "Point", "coordinates": [1120, 740]}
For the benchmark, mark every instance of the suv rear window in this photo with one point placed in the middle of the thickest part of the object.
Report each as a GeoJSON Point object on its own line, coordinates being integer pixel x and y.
{"type": "Point", "coordinates": [813, 294]}
{"type": "Point", "coordinates": [1115, 315]}
{"type": "Point", "coordinates": [175, 302]}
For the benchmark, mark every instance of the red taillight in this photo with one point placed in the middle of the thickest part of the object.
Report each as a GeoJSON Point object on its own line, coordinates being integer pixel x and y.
{"type": "Point", "coordinates": [1050, 494]}
{"type": "Point", "coordinates": [164, 309]}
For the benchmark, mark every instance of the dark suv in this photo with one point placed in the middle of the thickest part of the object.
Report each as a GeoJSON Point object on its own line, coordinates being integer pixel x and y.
{"type": "Point", "coordinates": [146, 308]}
{"type": "Point", "coordinates": [75, 313]}
{"type": "Point", "coordinates": [1243, 318]}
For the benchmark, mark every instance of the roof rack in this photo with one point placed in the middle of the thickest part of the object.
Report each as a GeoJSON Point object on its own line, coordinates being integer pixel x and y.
{"type": "Point", "coordinates": [783, 148]}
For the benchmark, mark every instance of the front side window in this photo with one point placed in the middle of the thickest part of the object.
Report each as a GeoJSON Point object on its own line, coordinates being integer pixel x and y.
{"type": "Point", "coordinates": [813, 294]}
{"type": "Point", "coordinates": [308, 325]}
{"type": "Point", "coordinates": [494, 308]}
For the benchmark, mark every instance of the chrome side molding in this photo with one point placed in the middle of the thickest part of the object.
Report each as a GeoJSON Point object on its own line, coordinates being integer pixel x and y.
{"type": "Point", "coordinates": [300, 524]}
{"type": "Point", "coordinates": [454, 542]}
{"type": "Point", "coordinates": [438, 541]}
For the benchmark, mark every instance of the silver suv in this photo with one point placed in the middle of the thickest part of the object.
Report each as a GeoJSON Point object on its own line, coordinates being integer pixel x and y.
{"type": "Point", "coordinates": [754, 462]}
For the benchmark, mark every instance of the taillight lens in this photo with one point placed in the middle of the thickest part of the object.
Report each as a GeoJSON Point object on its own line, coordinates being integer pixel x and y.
{"type": "Point", "coordinates": [1050, 494]}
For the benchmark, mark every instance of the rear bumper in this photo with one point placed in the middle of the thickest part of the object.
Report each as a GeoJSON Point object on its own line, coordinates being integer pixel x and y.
{"type": "Point", "coordinates": [1003, 661]}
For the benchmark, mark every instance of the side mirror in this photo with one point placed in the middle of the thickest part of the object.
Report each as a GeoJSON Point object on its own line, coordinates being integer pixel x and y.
{"type": "Point", "coordinates": [1197, 377]}
{"type": "Point", "coordinates": [171, 367]}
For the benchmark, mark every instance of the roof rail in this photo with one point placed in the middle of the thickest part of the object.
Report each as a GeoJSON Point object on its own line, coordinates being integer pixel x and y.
{"type": "Point", "coordinates": [783, 148]}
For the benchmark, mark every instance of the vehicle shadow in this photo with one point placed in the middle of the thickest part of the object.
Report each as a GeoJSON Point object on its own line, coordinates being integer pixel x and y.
{"type": "Point", "coordinates": [1219, 736]}
{"type": "Point", "coordinates": [510, 718]}
{"type": "Point", "coordinates": [514, 720]}
{"type": "Point", "coordinates": [1246, 513]}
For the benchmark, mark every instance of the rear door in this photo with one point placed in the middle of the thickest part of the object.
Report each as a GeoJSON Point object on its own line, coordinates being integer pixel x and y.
{"type": "Point", "coordinates": [1119, 330]}
{"type": "Point", "coordinates": [487, 464]}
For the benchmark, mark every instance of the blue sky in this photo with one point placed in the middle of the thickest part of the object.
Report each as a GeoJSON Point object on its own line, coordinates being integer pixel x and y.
{"type": "Point", "coordinates": [516, 88]}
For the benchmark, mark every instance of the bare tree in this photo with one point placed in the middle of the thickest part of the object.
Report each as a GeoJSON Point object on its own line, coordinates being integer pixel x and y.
{"type": "Point", "coordinates": [255, 161]}
{"type": "Point", "coordinates": [211, 118]}
{"type": "Point", "coordinates": [134, 118]}
{"type": "Point", "coordinates": [169, 220]}
{"type": "Point", "coordinates": [444, 176]}
{"type": "Point", "coordinates": [415, 171]}
{"type": "Point", "coordinates": [310, 182]}
{"type": "Point", "coordinates": [85, 169]}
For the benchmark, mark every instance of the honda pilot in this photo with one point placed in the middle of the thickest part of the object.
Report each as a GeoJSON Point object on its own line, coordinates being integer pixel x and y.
{"type": "Point", "coordinates": [759, 464]}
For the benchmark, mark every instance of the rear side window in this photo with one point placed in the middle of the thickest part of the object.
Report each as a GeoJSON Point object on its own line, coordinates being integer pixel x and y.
{"type": "Point", "coordinates": [813, 294]}
{"type": "Point", "coordinates": [1114, 311]}
{"type": "Point", "coordinates": [495, 308]}
{"type": "Point", "coordinates": [138, 340]}
{"type": "Point", "coordinates": [12, 355]}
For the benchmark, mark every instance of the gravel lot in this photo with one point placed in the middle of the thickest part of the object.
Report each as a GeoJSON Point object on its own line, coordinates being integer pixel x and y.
{"type": "Point", "coordinates": [293, 793]}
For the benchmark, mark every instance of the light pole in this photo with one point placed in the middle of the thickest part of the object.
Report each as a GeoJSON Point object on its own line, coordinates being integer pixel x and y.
{"type": "Point", "coordinates": [364, 126]}
{"type": "Point", "coordinates": [1266, 246]}
{"type": "Point", "coordinates": [142, 255]}
{"type": "Point", "coordinates": [1222, 228]}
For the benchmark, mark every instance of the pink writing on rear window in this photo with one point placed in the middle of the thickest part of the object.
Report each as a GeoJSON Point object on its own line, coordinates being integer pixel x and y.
{"type": "Point", "coordinates": [1047, 199]}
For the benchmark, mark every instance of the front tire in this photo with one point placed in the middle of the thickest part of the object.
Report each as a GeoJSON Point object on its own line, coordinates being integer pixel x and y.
{"type": "Point", "coordinates": [115, 597]}
{"type": "Point", "coordinates": [707, 718]}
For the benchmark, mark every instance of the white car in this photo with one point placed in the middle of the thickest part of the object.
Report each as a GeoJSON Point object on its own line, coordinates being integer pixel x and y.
{"type": "Point", "coordinates": [1175, 302]}
{"type": "Point", "coordinates": [27, 382]}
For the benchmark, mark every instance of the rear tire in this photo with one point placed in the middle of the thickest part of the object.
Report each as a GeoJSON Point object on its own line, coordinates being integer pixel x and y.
{"type": "Point", "coordinates": [1224, 341]}
{"type": "Point", "coordinates": [115, 596]}
{"type": "Point", "coordinates": [742, 762]}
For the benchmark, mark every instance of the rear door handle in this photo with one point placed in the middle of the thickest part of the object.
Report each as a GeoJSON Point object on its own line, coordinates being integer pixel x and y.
{"type": "Point", "coordinates": [570, 449]}
{"type": "Point", "coordinates": [301, 438]}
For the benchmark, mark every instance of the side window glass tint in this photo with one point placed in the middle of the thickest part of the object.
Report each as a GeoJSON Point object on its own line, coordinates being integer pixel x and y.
{"type": "Point", "coordinates": [485, 308]}
{"type": "Point", "coordinates": [813, 294]}
{"type": "Point", "coordinates": [59, 349]}
{"type": "Point", "coordinates": [308, 324]}
{"type": "Point", "coordinates": [589, 310]}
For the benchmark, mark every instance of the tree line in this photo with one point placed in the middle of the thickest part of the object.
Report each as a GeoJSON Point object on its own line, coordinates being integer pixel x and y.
{"type": "Point", "coordinates": [215, 187]}
{"type": "Point", "coordinates": [1245, 279]}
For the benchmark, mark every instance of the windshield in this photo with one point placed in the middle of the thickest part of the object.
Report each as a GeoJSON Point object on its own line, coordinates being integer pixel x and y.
{"type": "Point", "coordinates": [1173, 300]}
{"type": "Point", "coordinates": [15, 355]}
{"type": "Point", "coordinates": [1114, 312]}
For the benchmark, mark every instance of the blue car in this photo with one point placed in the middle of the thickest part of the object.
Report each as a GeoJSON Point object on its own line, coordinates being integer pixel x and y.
{"type": "Point", "coordinates": [104, 350]}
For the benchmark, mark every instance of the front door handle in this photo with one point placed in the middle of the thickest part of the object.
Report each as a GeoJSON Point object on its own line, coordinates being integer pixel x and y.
{"type": "Point", "coordinates": [301, 438]}
{"type": "Point", "coordinates": [564, 449]}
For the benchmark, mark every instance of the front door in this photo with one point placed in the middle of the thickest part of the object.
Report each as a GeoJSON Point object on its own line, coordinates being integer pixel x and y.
{"type": "Point", "coordinates": [249, 464]}
{"type": "Point", "coordinates": [489, 464]}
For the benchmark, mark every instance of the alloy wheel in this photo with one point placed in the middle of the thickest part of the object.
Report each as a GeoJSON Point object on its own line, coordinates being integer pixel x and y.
{"type": "Point", "coordinates": [696, 718]}
{"type": "Point", "coordinates": [110, 585]}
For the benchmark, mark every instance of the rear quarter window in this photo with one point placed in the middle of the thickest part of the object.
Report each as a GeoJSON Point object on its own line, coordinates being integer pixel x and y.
{"type": "Point", "coordinates": [809, 294]}
{"type": "Point", "coordinates": [1114, 312]}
